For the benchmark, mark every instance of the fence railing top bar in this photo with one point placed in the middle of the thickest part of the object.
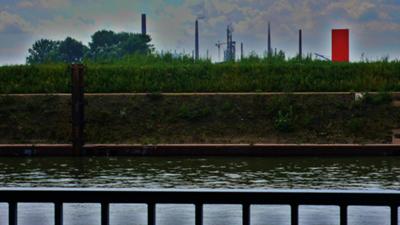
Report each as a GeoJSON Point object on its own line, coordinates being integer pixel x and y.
{"type": "Point", "coordinates": [202, 190]}
{"type": "Point", "coordinates": [201, 196]}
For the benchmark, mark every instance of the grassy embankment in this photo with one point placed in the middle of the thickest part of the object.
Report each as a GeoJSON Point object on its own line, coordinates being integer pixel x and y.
{"type": "Point", "coordinates": [156, 119]}
{"type": "Point", "coordinates": [154, 74]}
{"type": "Point", "coordinates": [204, 119]}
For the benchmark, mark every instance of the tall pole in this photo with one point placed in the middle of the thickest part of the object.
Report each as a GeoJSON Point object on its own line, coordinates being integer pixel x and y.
{"type": "Point", "coordinates": [197, 40]}
{"type": "Point", "coordinates": [144, 25]}
{"type": "Point", "coordinates": [241, 50]}
{"type": "Point", "coordinates": [269, 40]}
{"type": "Point", "coordinates": [227, 45]}
{"type": "Point", "coordinates": [300, 44]}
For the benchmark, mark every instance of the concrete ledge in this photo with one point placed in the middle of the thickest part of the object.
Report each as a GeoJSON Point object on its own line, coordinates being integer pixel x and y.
{"type": "Point", "coordinates": [394, 94]}
{"type": "Point", "coordinates": [267, 150]}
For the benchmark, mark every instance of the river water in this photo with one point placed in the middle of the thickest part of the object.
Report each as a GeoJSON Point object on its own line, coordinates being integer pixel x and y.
{"type": "Point", "coordinates": [305, 173]}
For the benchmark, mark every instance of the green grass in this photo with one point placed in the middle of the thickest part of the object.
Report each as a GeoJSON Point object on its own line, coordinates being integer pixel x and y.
{"type": "Point", "coordinates": [156, 74]}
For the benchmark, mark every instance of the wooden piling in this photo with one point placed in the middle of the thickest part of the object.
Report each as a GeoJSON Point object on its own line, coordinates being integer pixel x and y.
{"type": "Point", "coordinates": [78, 116]}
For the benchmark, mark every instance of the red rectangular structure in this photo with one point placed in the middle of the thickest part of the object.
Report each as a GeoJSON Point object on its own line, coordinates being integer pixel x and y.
{"type": "Point", "coordinates": [340, 45]}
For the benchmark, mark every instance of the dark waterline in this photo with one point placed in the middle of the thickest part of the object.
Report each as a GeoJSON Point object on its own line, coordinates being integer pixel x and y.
{"type": "Point", "coordinates": [355, 173]}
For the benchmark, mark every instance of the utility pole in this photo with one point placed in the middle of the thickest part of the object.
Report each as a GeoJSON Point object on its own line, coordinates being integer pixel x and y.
{"type": "Point", "coordinates": [300, 44]}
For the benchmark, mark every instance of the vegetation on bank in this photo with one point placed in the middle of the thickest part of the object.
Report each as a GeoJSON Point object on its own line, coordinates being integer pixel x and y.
{"type": "Point", "coordinates": [156, 118]}
{"type": "Point", "coordinates": [154, 73]}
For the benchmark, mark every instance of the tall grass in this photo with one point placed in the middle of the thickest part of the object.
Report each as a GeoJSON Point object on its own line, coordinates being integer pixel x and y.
{"type": "Point", "coordinates": [169, 74]}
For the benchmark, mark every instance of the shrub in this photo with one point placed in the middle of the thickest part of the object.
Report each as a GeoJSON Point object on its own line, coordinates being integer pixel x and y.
{"type": "Point", "coordinates": [284, 121]}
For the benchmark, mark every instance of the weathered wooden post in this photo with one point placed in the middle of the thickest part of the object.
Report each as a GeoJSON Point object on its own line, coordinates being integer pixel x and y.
{"type": "Point", "coordinates": [78, 116]}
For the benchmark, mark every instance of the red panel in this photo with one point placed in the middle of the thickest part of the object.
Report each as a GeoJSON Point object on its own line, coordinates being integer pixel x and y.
{"type": "Point", "coordinates": [340, 45]}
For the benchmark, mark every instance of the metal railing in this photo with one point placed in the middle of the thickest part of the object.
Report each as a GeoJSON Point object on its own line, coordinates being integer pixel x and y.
{"type": "Point", "coordinates": [198, 198]}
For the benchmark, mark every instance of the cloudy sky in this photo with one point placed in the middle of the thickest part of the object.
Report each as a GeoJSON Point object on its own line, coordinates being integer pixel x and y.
{"type": "Point", "coordinates": [374, 24]}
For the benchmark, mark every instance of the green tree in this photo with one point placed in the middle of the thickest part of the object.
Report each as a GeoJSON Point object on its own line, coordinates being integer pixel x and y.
{"type": "Point", "coordinates": [136, 43]}
{"type": "Point", "coordinates": [103, 38]}
{"type": "Point", "coordinates": [43, 51]}
{"type": "Point", "coordinates": [107, 45]}
{"type": "Point", "coordinates": [71, 50]}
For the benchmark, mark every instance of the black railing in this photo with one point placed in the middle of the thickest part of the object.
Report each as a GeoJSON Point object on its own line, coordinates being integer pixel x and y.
{"type": "Point", "coordinates": [198, 198]}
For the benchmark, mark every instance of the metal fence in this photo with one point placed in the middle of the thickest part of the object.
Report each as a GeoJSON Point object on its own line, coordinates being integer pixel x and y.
{"type": "Point", "coordinates": [198, 198]}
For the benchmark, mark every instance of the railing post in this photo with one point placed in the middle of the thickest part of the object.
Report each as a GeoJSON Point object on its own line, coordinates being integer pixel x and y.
{"type": "Point", "coordinates": [246, 214]}
{"type": "Point", "coordinates": [294, 214]}
{"type": "Point", "coordinates": [105, 213]}
{"type": "Point", "coordinates": [343, 215]}
{"type": "Point", "coordinates": [78, 118]}
{"type": "Point", "coordinates": [58, 213]}
{"type": "Point", "coordinates": [394, 220]}
{"type": "Point", "coordinates": [151, 213]}
{"type": "Point", "coordinates": [198, 214]}
{"type": "Point", "coordinates": [12, 213]}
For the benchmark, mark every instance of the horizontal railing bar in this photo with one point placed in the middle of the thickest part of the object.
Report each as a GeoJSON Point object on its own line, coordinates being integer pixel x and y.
{"type": "Point", "coordinates": [203, 197]}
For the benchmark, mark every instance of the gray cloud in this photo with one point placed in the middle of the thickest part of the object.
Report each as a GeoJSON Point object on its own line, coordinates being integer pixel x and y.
{"type": "Point", "coordinates": [13, 23]}
{"type": "Point", "coordinates": [374, 24]}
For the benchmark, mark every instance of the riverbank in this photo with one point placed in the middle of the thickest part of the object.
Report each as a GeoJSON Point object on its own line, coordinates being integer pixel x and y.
{"type": "Point", "coordinates": [151, 119]}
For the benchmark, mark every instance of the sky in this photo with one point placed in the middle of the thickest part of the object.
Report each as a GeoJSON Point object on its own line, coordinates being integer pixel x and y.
{"type": "Point", "coordinates": [374, 24]}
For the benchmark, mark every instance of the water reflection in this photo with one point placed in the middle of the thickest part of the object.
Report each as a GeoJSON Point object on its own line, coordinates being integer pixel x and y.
{"type": "Point", "coordinates": [182, 173]}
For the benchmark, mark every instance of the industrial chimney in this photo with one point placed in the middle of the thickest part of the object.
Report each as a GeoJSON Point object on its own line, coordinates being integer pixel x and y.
{"type": "Point", "coordinates": [269, 40]}
{"type": "Point", "coordinates": [196, 41]}
{"type": "Point", "coordinates": [144, 28]}
{"type": "Point", "coordinates": [300, 44]}
{"type": "Point", "coordinates": [241, 51]}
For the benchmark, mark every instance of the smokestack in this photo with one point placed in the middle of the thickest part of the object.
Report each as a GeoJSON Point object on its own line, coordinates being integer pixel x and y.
{"type": "Point", "coordinates": [196, 40]}
{"type": "Point", "coordinates": [144, 28]}
{"type": "Point", "coordinates": [269, 40]}
{"type": "Point", "coordinates": [300, 44]}
{"type": "Point", "coordinates": [241, 50]}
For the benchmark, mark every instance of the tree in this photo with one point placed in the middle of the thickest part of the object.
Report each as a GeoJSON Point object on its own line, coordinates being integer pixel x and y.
{"type": "Point", "coordinates": [71, 50]}
{"type": "Point", "coordinates": [43, 51]}
{"type": "Point", "coordinates": [137, 43]}
{"type": "Point", "coordinates": [103, 38]}
{"type": "Point", "coordinates": [105, 54]}
{"type": "Point", "coordinates": [107, 45]}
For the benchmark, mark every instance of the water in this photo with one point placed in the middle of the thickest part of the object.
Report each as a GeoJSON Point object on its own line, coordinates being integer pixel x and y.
{"type": "Point", "coordinates": [374, 173]}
